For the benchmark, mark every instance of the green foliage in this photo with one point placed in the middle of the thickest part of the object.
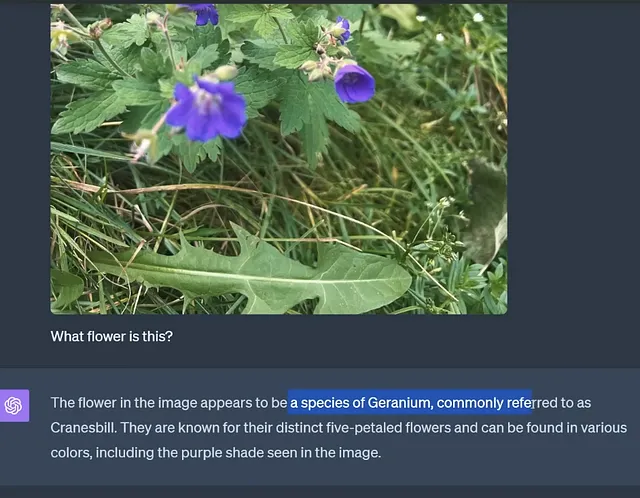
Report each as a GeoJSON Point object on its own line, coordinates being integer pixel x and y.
{"type": "Point", "coordinates": [67, 287]}
{"type": "Point", "coordinates": [388, 177]}
{"type": "Point", "coordinates": [345, 281]}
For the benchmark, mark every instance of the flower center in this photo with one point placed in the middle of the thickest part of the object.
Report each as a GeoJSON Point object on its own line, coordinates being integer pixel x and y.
{"type": "Point", "coordinates": [206, 102]}
{"type": "Point", "coordinates": [350, 79]}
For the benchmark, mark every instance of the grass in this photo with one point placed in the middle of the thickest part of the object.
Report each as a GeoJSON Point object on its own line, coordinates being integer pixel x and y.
{"type": "Point", "coordinates": [399, 188]}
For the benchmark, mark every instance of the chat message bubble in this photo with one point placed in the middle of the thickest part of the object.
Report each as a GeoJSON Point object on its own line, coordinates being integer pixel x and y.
{"type": "Point", "coordinates": [313, 426]}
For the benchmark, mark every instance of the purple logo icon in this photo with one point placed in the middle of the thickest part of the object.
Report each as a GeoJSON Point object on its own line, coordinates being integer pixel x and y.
{"type": "Point", "coordinates": [14, 405]}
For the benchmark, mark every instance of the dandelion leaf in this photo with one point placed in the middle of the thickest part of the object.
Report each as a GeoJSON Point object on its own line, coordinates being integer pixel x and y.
{"type": "Point", "coordinates": [68, 288]}
{"type": "Point", "coordinates": [487, 228]}
{"type": "Point", "coordinates": [345, 281]}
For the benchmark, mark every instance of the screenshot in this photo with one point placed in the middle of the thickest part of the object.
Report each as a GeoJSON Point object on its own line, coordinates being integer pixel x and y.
{"type": "Point", "coordinates": [279, 252]}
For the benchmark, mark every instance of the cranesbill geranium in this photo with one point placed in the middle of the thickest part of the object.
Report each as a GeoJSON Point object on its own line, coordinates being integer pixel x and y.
{"type": "Point", "coordinates": [205, 12]}
{"type": "Point", "coordinates": [208, 109]}
{"type": "Point", "coordinates": [344, 24]}
{"type": "Point", "coordinates": [354, 84]}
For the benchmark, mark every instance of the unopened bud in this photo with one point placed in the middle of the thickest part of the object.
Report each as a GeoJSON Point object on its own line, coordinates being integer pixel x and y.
{"type": "Point", "coordinates": [342, 49]}
{"type": "Point", "coordinates": [316, 75]}
{"type": "Point", "coordinates": [309, 66]}
{"type": "Point", "coordinates": [105, 24]}
{"type": "Point", "coordinates": [144, 145]}
{"type": "Point", "coordinates": [153, 17]}
{"type": "Point", "coordinates": [173, 8]}
{"type": "Point", "coordinates": [337, 31]}
{"type": "Point", "coordinates": [346, 62]}
{"type": "Point", "coordinates": [225, 73]}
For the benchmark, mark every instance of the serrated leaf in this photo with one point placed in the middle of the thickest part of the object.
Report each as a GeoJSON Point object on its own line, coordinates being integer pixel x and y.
{"type": "Point", "coordinates": [306, 107]}
{"type": "Point", "coordinates": [203, 36]}
{"type": "Point", "coordinates": [68, 287]}
{"type": "Point", "coordinates": [153, 65]}
{"type": "Point", "coordinates": [191, 153]}
{"type": "Point", "coordinates": [213, 148]}
{"type": "Point", "coordinates": [87, 114]}
{"type": "Point", "coordinates": [351, 11]}
{"type": "Point", "coordinates": [243, 12]}
{"type": "Point", "coordinates": [393, 48]}
{"type": "Point", "coordinates": [345, 281]}
{"type": "Point", "coordinates": [135, 92]}
{"type": "Point", "coordinates": [203, 59]}
{"type": "Point", "coordinates": [134, 31]}
{"type": "Point", "coordinates": [86, 73]}
{"type": "Point", "coordinates": [260, 53]}
{"type": "Point", "coordinates": [293, 56]}
{"type": "Point", "coordinates": [265, 25]}
{"type": "Point", "coordinates": [126, 58]}
{"type": "Point", "coordinates": [487, 228]}
{"type": "Point", "coordinates": [258, 86]}
{"type": "Point", "coordinates": [304, 33]}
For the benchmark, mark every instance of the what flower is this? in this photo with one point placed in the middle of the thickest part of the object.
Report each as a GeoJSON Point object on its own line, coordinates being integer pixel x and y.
{"type": "Point", "coordinates": [205, 12]}
{"type": "Point", "coordinates": [208, 109]}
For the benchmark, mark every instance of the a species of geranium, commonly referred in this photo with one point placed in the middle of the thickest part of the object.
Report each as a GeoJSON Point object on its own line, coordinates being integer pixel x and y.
{"type": "Point", "coordinates": [342, 23]}
{"type": "Point", "coordinates": [205, 12]}
{"type": "Point", "coordinates": [208, 109]}
{"type": "Point", "coordinates": [354, 84]}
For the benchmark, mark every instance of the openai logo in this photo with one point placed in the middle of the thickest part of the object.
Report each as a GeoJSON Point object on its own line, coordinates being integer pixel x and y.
{"type": "Point", "coordinates": [13, 405]}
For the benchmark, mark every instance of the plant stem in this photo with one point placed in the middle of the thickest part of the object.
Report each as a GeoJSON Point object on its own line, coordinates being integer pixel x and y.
{"type": "Point", "coordinates": [110, 59]}
{"type": "Point", "coordinates": [71, 17]}
{"type": "Point", "coordinates": [165, 31]}
{"type": "Point", "coordinates": [284, 37]}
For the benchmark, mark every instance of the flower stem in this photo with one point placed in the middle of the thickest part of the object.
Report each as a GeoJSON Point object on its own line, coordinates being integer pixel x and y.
{"type": "Point", "coordinates": [110, 59]}
{"type": "Point", "coordinates": [284, 37]}
{"type": "Point", "coordinates": [98, 43]}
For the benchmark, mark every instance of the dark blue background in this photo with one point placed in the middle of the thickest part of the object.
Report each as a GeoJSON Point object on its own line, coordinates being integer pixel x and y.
{"type": "Point", "coordinates": [573, 181]}
{"type": "Point", "coordinates": [446, 459]}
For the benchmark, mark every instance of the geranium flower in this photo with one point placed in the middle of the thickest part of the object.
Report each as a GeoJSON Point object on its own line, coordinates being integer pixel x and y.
{"type": "Point", "coordinates": [205, 12]}
{"type": "Point", "coordinates": [344, 24]}
{"type": "Point", "coordinates": [354, 84]}
{"type": "Point", "coordinates": [207, 110]}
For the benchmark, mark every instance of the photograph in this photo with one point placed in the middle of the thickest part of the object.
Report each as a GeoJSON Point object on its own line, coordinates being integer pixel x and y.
{"type": "Point", "coordinates": [299, 159]}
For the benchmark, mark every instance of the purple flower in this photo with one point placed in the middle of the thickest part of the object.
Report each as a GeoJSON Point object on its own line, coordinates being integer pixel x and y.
{"type": "Point", "coordinates": [205, 12]}
{"type": "Point", "coordinates": [208, 109]}
{"type": "Point", "coordinates": [344, 24]}
{"type": "Point", "coordinates": [354, 84]}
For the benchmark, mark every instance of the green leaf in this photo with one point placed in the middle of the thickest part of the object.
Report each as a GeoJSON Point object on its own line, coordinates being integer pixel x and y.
{"type": "Point", "coordinates": [153, 65]}
{"type": "Point", "coordinates": [86, 73]}
{"type": "Point", "coordinates": [135, 92]}
{"type": "Point", "coordinates": [87, 114]}
{"type": "Point", "coordinates": [304, 33]}
{"type": "Point", "coordinates": [404, 14]}
{"type": "Point", "coordinates": [260, 53]}
{"type": "Point", "coordinates": [244, 12]}
{"type": "Point", "coordinates": [203, 59]}
{"type": "Point", "coordinates": [128, 59]}
{"type": "Point", "coordinates": [259, 87]}
{"type": "Point", "coordinates": [293, 56]}
{"type": "Point", "coordinates": [487, 228]}
{"type": "Point", "coordinates": [351, 11]}
{"type": "Point", "coordinates": [68, 287]}
{"type": "Point", "coordinates": [134, 31]}
{"type": "Point", "coordinates": [203, 36]}
{"type": "Point", "coordinates": [345, 281]}
{"type": "Point", "coordinates": [193, 153]}
{"type": "Point", "coordinates": [393, 49]}
{"type": "Point", "coordinates": [306, 107]}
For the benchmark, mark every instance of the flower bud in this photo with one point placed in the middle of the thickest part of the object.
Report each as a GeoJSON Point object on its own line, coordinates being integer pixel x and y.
{"type": "Point", "coordinates": [225, 73]}
{"type": "Point", "coordinates": [144, 145]}
{"type": "Point", "coordinates": [337, 31]}
{"type": "Point", "coordinates": [153, 17]}
{"type": "Point", "coordinates": [309, 66]}
{"type": "Point", "coordinates": [105, 24]}
{"type": "Point", "coordinates": [316, 75]}
{"type": "Point", "coordinates": [346, 62]}
{"type": "Point", "coordinates": [174, 8]}
{"type": "Point", "coordinates": [342, 49]}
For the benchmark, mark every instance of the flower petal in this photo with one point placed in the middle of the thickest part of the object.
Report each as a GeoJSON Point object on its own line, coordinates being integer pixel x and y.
{"type": "Point", "coordinates": [178, 115]}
